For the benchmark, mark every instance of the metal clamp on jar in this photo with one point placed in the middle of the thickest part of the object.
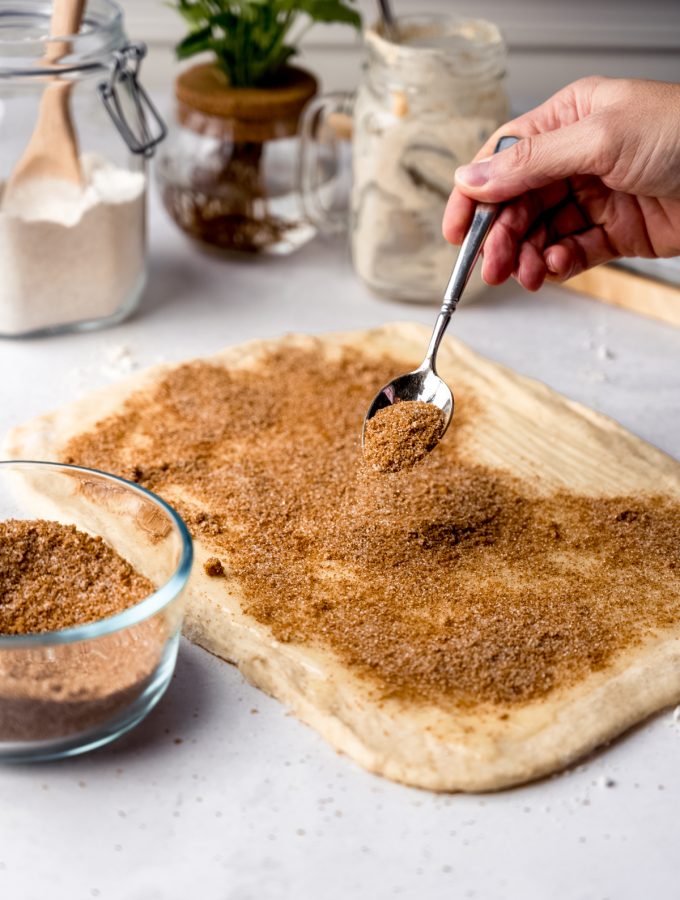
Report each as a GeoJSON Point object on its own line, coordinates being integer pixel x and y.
{"type": "Point", "coordinates": [72, 193]}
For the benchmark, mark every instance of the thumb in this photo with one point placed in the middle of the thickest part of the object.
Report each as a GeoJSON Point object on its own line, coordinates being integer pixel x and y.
{"type": "Point", "coordinates": [532, 162]}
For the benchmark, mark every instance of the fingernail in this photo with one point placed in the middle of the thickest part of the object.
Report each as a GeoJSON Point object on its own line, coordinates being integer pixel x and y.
{"type": "Point", "coordinates": [474, 175]}
{"type": "Point", "coordinates": [551, 262]}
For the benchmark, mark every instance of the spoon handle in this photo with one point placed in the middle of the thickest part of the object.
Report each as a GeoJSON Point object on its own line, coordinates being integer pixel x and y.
{"type": "Point", "coordinates": [485, 213]}
{"type": "Point", "coordinates": [389, 22]}
{"type": "Point", "coordinates": [482, 220]}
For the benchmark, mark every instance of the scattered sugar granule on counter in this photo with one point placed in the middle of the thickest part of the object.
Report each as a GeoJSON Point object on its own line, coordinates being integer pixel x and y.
{"type": "Point", "coordinates": [119, 361]}
{"type": "Point", "coordinates": [606, 781]}
{"type": "Point", "coordinates": [604, 352]}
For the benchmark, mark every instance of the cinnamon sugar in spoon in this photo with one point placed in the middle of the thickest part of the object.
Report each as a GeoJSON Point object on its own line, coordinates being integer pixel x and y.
{"type": "Point", "coordinates": [52, 151]}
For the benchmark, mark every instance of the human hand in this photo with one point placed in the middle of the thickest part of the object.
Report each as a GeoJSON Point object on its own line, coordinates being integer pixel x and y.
{"type": "Point", "coordinates": [595, 176]}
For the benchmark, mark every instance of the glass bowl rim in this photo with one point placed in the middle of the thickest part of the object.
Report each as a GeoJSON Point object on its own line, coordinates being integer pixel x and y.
{"type": "Point", "coordinates": [133, 615]}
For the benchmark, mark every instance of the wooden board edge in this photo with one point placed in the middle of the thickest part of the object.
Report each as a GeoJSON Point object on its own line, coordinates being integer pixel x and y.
{"type": "Point", "coordinates": [645, 296]}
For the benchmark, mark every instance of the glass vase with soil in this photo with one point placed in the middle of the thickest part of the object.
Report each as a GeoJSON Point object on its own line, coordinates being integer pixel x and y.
{"type": "Point", "coordinates": [228, 176]}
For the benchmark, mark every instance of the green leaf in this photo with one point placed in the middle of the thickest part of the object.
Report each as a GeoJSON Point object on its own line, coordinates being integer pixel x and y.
{"type": "Point", "coordinates": [249, 38]}
{"type": "Point", "coordinates": [194, 13]}
{"type": "Point", "coordinates": [195, 42]}
{"type": "Point", "coordinates": [329, 11]}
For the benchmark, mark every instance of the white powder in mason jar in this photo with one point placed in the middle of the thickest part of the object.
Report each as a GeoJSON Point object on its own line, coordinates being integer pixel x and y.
{"type": "Point", "coordinates": [71, 253]}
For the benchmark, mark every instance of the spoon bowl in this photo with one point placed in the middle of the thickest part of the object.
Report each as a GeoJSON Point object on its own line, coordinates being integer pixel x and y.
{"type": "Point", "coordinates": [423, 383]}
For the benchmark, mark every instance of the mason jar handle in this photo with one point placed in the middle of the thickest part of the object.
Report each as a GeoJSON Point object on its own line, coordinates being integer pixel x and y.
{"type": "Point", "coordinates": [325, 123]}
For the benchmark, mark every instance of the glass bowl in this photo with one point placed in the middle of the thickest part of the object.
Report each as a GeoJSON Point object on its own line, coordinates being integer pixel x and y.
{"type": "Point", "coordinates": [64, 692]}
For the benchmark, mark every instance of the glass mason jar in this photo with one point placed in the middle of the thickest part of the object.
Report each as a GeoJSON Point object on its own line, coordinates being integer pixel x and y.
{"type": "Point", "coordinates": [425, 105]}
{"type": "Point", "coordinates": [228, 173]}
{"type": "Point", "coordinates": [75, 131]}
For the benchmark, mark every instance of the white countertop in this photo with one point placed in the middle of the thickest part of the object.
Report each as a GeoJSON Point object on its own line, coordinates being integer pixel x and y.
{"type": "Point", "coordinates": [256, 806]}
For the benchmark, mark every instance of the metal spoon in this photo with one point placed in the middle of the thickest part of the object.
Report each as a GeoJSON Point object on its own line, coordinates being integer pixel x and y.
{"type": "Point", "coordinates": [389, 22]}
{"type": "Point", "coordinates": [424, 384]}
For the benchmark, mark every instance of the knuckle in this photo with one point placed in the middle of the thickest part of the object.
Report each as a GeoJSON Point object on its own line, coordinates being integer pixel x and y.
{"type": "Point", "coordinates": [602, 138]}
{"type": "Point", "coordinates": [600, 131]}
{"type": "Point", "coordinates": [626, 88]}
{"type": "Point", "coordinates": [589, 82]}
{"type": "Point", "coordinates": [592, 90]}
{"type": "Point", "coordinates": [524, 154]}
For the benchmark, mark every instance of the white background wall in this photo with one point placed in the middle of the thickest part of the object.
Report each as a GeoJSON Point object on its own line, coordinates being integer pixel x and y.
{"type": "Point", "coordinates": [551, 43]}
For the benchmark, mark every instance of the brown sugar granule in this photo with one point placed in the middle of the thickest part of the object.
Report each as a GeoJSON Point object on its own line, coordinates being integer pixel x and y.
{"type": "Point", "coordinates": [54, 576]}
{"type": "Point", "coordinates": [401, 435]}
{"type": "Point", "coordinates": [213, 567]}
{"type": "Point", "coordinates": [451, 582]}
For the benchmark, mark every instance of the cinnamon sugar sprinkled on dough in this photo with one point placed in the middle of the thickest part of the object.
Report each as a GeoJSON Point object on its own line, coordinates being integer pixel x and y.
{"type": "Point", "coordinates": [54, 576]}
{"type": "Point", "coordinates": [401, 435]}
{"type": "Point", "coordinates": [450, 582]}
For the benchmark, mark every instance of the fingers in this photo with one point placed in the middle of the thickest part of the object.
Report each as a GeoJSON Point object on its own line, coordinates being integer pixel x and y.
{"type": "Point", "coordinates": [539, 212]}
{"type": "Point", "coordinates": [535, 162]}
{"type": "Point", "coordinates": [512, 227]}
{"type": "Point", "coordinates": [538, 259]}
{"type": "Point", "coordinates": [531, 267]}
{"type": "Point", "coordinates": [571, 104]}
{"type": "Point", "coordinates": [460, 207]}
{"type": "Point", "coordinates": [562, 260]}
{"type": "Point", "coordinates": [575, 253]}
{"type": "Point", "coordinates": [565, 108]}
{"type": "Point", "coordinates": [555, 246]}
{"type": "Point", "coordinates": [503, 176]}
{"type": "Point", "coordinates": [457, 217]}
{"type": "Point", "coordinates": [500, 254]}
{"type": "Point", "coordinates": [522, 259]}
{"type": "Point", "coordinates": [566, 219]}
{"type": "Point", "coordinates": [541, 232]}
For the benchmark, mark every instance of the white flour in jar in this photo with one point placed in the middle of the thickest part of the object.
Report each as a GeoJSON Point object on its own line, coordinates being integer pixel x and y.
{"type": "Point", "coordinates": [71, 253]}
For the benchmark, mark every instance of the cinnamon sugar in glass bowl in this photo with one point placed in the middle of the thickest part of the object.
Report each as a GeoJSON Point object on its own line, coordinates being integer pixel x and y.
{"type": "Point", "coordinates": [66, 691]}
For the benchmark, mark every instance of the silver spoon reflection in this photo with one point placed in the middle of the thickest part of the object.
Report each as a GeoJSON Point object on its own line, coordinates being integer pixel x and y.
{"type": "Point", "coordinates": [423, 383]}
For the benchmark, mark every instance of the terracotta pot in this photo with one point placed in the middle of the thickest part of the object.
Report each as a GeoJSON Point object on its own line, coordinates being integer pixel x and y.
{"type": "Point", "coordinates": [206, 103]}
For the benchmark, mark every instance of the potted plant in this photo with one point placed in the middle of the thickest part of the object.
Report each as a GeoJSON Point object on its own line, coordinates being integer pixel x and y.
{"type": "Point", "coordinates": [228, 174]}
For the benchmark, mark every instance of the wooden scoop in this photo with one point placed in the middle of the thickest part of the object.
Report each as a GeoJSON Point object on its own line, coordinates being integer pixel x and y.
{"type": "Point", "coordinates": [52, 151]}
